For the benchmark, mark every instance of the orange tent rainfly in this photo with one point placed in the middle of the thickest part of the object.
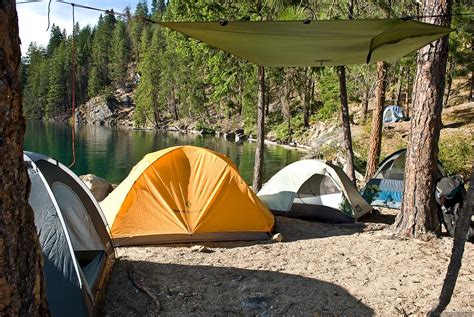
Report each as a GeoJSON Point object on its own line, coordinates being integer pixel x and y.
{"type": "Point", "coordinates": [185, 193]}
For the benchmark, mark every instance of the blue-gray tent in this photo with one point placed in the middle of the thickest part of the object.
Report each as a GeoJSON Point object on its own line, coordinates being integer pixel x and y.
{"type": "Point", "coordinates": [386, 188]}
{"type": "Point", "coordinates": [73, 236]}
{"type": "Point", "coordinates": [393, 114]}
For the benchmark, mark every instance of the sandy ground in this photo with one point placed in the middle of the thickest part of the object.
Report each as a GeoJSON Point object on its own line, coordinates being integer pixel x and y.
{"type": "Point", "coordinates": [319, 269]}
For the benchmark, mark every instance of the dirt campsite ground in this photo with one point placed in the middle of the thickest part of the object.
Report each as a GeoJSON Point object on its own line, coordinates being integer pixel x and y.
{"type": "Point", "coordinates": [318, 269]}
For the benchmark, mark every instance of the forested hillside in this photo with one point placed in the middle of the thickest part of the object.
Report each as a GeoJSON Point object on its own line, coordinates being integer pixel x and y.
{"type": "Point", "coordinates": [177, 78]}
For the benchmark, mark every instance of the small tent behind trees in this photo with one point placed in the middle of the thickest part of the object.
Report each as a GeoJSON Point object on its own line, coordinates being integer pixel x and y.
{"type": "Point", "coordinates": [75, 243]}
{"type": "Point", "coordinates": [185, 193]}
{"type": "Point", "coordinates": [386, 188]}
{"type": "Point", "coordinates": [393, 114]}
{"type": "Point", "coordinates": [314, 189]}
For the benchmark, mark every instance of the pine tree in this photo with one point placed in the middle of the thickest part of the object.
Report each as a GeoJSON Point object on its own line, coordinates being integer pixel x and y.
{"type": "Point", "coordinates": [137, 24]}
{"type": "Point", "coordinates": [154, 6]}
{"type": "Point", "coordinates": [101, 52]}
{"type": "Point", "coordinates": [56, 38]}
{"type": "Point", "coordinates": [418, 215]}
{"type": "Point", "coordinates": [149, 100]}
{"type": "Point", "coordinates": [58, 71]}
{"type": "Point", "coordinates": [120, 57]}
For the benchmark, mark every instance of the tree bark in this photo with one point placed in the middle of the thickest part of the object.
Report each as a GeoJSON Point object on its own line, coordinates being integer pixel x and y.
{"type": "Point", "coordinates": [400, 84]}
{"type": "Point", "coordinates": [418, 216]}
{"type": "Point", "coordinates": [376, 131]}
{"type": "Point", "coordinates": [304, 98]}
{"type": "Point", "coordinates": [22, 290]}
{"type": "Point", "coordinates": [346, 124]}
{"type": "Point", "coordinates": [258, 168]}
{"type": "Point", "coordinates": [461, 229]}
{"type": "Point", "coordinates": [472, 87]}
{"type": "Point", "coordinates": [407, 95]}
{"type": "Point", "coordinates": [285, 104]}
{"type": "Point", "coordinates": [450, 83]}
{"type": "Point", "coordinates": [365, 105]}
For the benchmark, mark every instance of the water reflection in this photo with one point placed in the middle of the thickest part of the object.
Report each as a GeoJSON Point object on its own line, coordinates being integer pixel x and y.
{"type": "Point", "coordinates": [112, 152]}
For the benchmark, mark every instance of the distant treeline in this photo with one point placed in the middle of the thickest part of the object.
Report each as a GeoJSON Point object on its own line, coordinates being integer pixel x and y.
{"type": "Point", "coordinates": [182, 78]}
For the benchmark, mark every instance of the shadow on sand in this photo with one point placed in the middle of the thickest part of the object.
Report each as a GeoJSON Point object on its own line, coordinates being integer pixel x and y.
{"type": "Point", "coordinates": [210, 291]}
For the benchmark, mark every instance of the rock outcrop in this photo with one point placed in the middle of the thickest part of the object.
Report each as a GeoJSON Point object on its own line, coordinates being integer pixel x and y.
{"type": "Point", "coordinates": [109, 111]}
{"type": "Point", "coordinates": [99, 187]}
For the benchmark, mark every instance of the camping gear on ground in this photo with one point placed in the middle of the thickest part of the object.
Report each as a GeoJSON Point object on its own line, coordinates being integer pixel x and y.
{"type": "Point", "coordinates": [185, 193]}
{"type": "Point", "coordinates": [314, 42]}
{"type": "Point", "coordinates": [393, 114]}
{"type": "Point", "coordinates": [316, 190]}
{"type": "Point", "coordinates": [450, 195]}
{"type": "Point", "coordinates": [76, 246]}
{"type": "Point", "coordinates": [385, 189]}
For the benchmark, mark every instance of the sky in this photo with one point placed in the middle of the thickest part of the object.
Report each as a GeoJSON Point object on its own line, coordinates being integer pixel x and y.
{"type": "Point", "coordinates": [33, 17]}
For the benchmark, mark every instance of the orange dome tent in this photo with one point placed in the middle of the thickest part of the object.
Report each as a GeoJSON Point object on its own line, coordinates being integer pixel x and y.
{"type": "Point", "coordinates": [185, 193]}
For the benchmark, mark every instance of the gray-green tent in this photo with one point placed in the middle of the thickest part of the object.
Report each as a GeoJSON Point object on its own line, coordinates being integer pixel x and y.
{"type": "Point", "coordinates": [314, 43]}
{"type": "Point", "coordinates": [314, 189]}
{"type": "Point", "coordinates": [76, 246]}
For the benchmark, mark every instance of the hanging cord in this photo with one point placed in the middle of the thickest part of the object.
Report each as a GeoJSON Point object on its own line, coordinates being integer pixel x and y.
{"type": "Point", "coordinates": [73, 92]}
{"type": "Point", "coordinates": [49, 11]}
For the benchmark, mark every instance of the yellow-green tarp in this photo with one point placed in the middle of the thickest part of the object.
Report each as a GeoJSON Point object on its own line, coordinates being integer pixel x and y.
{"type": "Point", "coordinates": [185, 193]}
{"type": "Point", "coordinates": [317, 43]}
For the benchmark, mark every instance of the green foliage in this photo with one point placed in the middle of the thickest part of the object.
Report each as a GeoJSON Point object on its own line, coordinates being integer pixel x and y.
{"type": "Point", "coordinates": [328, 85]}
{"type": "Point", "coordinates": [370, 192]}
{"type": "Point", "coordinates": [148, 95]}
{"type": "Point", "coordinates": [456, 153]}
{"type": "Point", "coordinates": [286, 134]}
{"type": "Point", "coordinates": [119, 58]}
{"type": "Point", "coordinates": [184, 79]}
{"type": "Point", "coordinates": [57, 100]}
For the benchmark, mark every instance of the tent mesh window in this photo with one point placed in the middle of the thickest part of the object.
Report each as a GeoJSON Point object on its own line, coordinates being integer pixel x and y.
{"type": "Point", "coordinates": [395, 169]}
{"type": "Point", "coordinates": [318, 185]}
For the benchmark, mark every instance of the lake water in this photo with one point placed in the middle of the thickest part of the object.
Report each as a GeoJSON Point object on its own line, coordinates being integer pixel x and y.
{"type": "Point", "coordinates": [112, 152]}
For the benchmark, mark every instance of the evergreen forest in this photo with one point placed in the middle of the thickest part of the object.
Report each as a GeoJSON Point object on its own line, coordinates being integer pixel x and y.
{"type": "Point", "coordinates": [183, 79]}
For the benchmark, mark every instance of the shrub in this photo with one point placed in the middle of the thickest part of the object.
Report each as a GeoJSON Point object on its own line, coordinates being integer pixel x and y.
{"type": "Point", "coordinates": [456, 153]}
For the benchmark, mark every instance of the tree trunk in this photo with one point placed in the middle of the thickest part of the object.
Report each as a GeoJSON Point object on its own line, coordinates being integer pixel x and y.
{"type": "Point", "coordinates": [375, 141]}
{"type": "Point", "coordinates": [22, 290]}
{"type": "Point", "coordinates": [258, 168]}
{"type": "Point", "coordinates": [400, 84]}
{"type": "Point", "coordinates": [285, 104]}
{"type": "Point", "coordinates": [418, 215]}
{"type": "Point", "coordinates": [365, 105]}
{"type": "Point", "coordinates": [461, 229]}
{"type": "Point", "coordinates": [346, 124]}
{"type": "Point", "coordinates": [472, 87]}
{"type": "Point", "coordinates": [450, 83]}
{"type": "Point", "coordinates": [304, 98]}
{"type": "Point", "coordinates": [407, 95]}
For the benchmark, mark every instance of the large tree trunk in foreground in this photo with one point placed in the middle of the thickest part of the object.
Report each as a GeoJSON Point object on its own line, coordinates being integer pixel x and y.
{"type": "Point", "coordinates": [346, 124]}
{"type": "Point", "coordinates": [375, 142]}
{"type": "Point", "coordinates": [258, 168]}
{"type": "Point", "coordinates": [21, 280]}
{"type": "Point", "coordinates": [461, 229]}
{"type": "Point", "coordinates": [418, 215]}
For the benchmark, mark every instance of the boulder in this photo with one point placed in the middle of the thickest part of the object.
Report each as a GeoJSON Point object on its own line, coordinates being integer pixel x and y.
{"type": "Point", "coordinates": [126, 100]}
{"type": "Point", "coordinates": [278, 237]}
{"type": "Point", "coordinates": [99, 187]}
{"type": "Point", "coordinates": [201, 248]}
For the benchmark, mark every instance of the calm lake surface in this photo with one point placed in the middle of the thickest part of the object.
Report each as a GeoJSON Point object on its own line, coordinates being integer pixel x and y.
{"type": "Point", "coordinates": [112, 152]}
